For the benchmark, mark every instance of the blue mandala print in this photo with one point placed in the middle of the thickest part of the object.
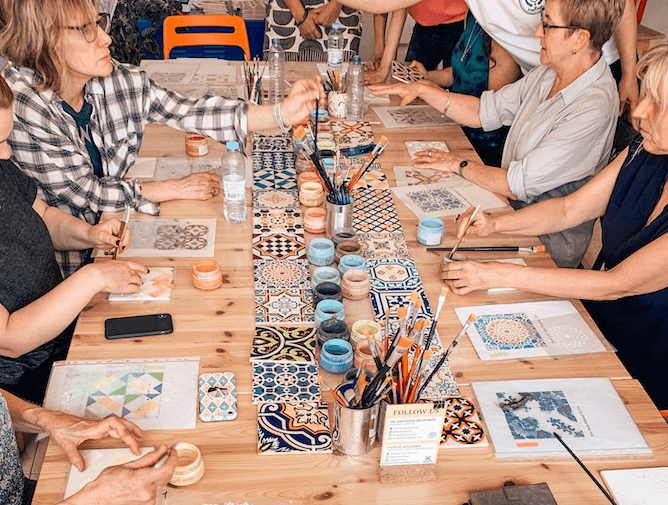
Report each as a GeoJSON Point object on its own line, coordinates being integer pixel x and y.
{"type": "Point", "coordinates": [435, 200]}
{"type": "Point", "coordinates": [501, 332]}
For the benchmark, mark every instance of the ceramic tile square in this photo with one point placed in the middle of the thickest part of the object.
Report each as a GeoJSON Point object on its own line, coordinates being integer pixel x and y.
{"type": "Point", "coordinates": [285, 382]}
{"type": "Point", "coordinates": [275, 199]}
{"type": "Point", "coordinates": [348, 134]}
{"type": "Point", "coordinates": [393, 274]}
{"type": "Point", "coordinates": [415, 146]}
{"type": "Point", "coordinates": [374, 211]}
{"type": "Point", "coordinates": [383, 244]}
{"type": "Point", "coordinates": [442, 384]}
{"type": "Point", "coordinates": [293, 428]}
{"type": "Point", "coordinates": [277, 343]}
{"type": "Point", "coordinates": [374, 179]}
{"type": "Point", "coordinates": [281, 274]}
{"type": "Point", "coordinates": [281, 306]}
{"type": "Point", "coordinates": [271, 221]}
{"type": "Point", "coordinates": [275, 143]}
{"type": "Point", "coordinates": [411, 176]}
{"type": "Point", "coordinates": [462, 426]}
{"type": "Point", "coordinates": [392, 300]}
{"type": "Point", "coordinates": [278, 246]}
{"type": "Point", "coordinates": [286, 179]}
{"type": "Point", "coordinates": [263, 178]}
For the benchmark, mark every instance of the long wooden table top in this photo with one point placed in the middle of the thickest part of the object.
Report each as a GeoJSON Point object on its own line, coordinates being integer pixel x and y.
{"type": "Point", "coordinates": [218, 326]}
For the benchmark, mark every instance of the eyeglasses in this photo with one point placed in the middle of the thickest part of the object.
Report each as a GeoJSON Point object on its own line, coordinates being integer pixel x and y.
{"type": "Point", "coordinates": [546, 26]}
{"type": "Point", "coordinates": [89, 30]}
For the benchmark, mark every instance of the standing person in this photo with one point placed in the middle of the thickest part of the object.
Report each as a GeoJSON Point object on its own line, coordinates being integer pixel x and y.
{"type": "Point", "coordinates": [80, 115]}
{"type": "Point", "coordinates": [303, 26]}
{"type": "Point", "coordinates": [562, 117]}
{"type": "Point", "coordinates": [630, 293]}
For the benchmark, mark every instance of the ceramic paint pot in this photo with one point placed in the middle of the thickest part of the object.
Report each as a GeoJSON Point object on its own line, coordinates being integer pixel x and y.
{"type": "Point", "coordinates": [207, 275]}
{"type": "Point", "coordinates": [327, 291]}
{"type": "Point", "coordinates": [190, 465]}
{"type": "Point", "coordinates": [314, 220]}
{"type": "Point", "coordinates": [328, 309]}
{"type": "Point", "coordinates": [320, 252]}
{"type": "Point", "coordinates": [355, 284]}
{"type": "Point", "coordinates": [311, 194]}
{"type": "Point", "coordinates": [344, 234]}
{"type": "Point", "coordinates": [430, 231]}
{"type": "Point", "coordinates": [309, 176]}
{"type": "Point", "coordinates": [346, 247]}
{"type": "Point", "coordinates": [455, 257]}
{"type": "Point", "coordinates": [336, 356]}
{"type": "Point", "coordinates": [363, 357]}
{"type": "Point", "coordinates": [325, 274]}
{"type": "Point", "coordinates": [332, 328]}
{"type": "Point", "coordinates": [372, 327]}
{"type": "Point", "coordinates": [196, 145]}
{"type": "Point", "coordinates": [351, 262]}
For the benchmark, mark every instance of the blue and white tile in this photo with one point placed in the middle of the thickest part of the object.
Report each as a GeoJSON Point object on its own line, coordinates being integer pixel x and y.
{"type": "Point", "coordinates": [293, 428]}
{"type": "Point", "coordinates": [393, 274]}
{"type": "Point", "coordinates": [285, 305]}
{"type": "Point", "coordinates": [285, 382]}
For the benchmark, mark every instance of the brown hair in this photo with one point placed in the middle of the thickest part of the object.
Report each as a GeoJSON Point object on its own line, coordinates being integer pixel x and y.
{"type": "Point", "coordinates": [652, 70]}
{"type": "Point", "coordinates": [6, 95]}
{"type": "Point", "coordinates": [598, 17]}
{"type": "Point", "coordinates": [33, 35]}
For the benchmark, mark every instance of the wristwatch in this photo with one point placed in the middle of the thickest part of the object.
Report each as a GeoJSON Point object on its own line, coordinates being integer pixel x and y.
{"type": "Point", "coordinates": [462, 166]}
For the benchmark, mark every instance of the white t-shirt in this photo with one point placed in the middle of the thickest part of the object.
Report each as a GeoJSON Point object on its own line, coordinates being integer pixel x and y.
{"type": "Point", "coordinates": [512, 23]}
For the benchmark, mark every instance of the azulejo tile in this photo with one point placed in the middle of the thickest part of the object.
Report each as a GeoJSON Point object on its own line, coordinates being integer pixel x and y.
{"type": "Point", "coordinates": [278, 246]}
{"type": "Point", "coordinates": [263, 179]}
{"type": "Point", "coordinates": [375, 179]}
{"type": "Point", "coordinates": [391, 300]}
{"type": "Point", "coordinates": [293, 427]}
{"type": "Point", "coordinates": [277, 343]}
{"type": "Point", "coordinates": [383, 245]}
{"type": "Point", "coordinates": [282, 306]}
{"type": "Point", "coordinates": [281, 274]}
{"type": "Point", "coordinates": [271, 221]}
{"type": "Point", "coordinates": [462, 425]}
{"type": "Point", "coordinates": [285, 382]}
{"type": "Point", "coordinates": [275, 199]}
{"type": "Point", "coordinates": [393, 274]}
{"type": "Point", "coordinates": [271, 142]}
{"type": "Point", "coordinates": [374, 211]}
{"type": "Point", "coordinates": [443, 383]}
{"type": "Point", "coordinates": [352, 133]}
{"type": "Point", "coordinates": [286, 179]}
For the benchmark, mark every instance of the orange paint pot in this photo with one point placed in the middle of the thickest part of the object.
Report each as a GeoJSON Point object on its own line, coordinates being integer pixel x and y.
{"type": "Point", "coordinates": [196, 145]}
{"type": "Point", "coordinates": [207, 275]}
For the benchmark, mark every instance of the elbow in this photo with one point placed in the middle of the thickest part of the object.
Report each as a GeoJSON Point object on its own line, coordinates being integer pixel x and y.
{"type": "Point", "coordinates": [615, 288]}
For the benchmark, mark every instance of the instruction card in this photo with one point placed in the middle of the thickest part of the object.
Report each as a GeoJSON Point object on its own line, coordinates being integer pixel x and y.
{"type": "Point", "coordinates": [412, 434]}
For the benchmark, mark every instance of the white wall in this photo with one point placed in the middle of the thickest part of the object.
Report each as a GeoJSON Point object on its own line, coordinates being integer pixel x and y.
{"type": "Point", "coordinates": [656, 15]}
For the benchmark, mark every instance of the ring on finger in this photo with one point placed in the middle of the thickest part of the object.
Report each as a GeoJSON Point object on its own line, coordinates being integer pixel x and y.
{"type": "Point", "coordinates": [429, 153]}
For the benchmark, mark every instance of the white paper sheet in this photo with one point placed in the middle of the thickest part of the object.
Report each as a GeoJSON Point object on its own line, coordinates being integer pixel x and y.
{"type": "Point", "coordinates": [411, 176]}
{"type": "Point", "coordinates": [586, 412]}
{"type": "Point", "coordinates": [155, 394]}
{"type": "Point", "coordinates": [411, 116]}
{"type": "Point", "coordinates": [415, 146]}
{"type": "Point", "coordinates": [531, 329]}
{"type": "Point", "coordinates": [156, 287]}
{"type": "Point", "coordinates": [638, 486]}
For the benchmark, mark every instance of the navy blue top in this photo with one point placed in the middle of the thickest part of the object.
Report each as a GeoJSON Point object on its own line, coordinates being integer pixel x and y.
{"type": "Point", "coordinates": [637, 325]}
{"type": "Point", "coordinates": [82, 119]}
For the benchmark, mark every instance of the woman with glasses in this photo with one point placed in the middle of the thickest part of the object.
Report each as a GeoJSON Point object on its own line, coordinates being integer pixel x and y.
{"type": "Point", "coordinates": [80, 116]}
{"type": "Point", "coordinates": [562, 118]}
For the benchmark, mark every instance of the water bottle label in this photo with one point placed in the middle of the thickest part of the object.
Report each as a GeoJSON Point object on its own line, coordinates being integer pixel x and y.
{"type": "Point", "coordinates": [335, 56]}
{"type": "Point", "coordinates": [235, 190]}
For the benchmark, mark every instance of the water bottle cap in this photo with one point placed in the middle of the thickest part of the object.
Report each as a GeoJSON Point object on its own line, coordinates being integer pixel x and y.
{"type": "Point", "coordinates": [232, 145]}
{"type": "Point", "coordinates": [275, 42]}
{"type": "Point", "coordinates": [357, 59]}
{"type": "Point", "coordinates": [336, 26]}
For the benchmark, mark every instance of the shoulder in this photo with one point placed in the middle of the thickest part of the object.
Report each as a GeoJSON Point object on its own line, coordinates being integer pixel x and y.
{"type": "Point", "coordinates": [124, 77]}
{"type": "Point", "coordinates": [28, 100]}
{"type": "Point", "coordinates": [11, 175]}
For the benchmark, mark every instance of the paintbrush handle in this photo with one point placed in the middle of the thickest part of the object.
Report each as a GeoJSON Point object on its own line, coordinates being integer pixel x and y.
{"type": "Point", "coordinates": [464, 233]}
{"type": "Point", "coordinates": [121, 236]}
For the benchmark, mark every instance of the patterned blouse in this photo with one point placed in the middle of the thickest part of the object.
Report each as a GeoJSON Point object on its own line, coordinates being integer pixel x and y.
{"type": "Point", "coordinates": [11, 472]}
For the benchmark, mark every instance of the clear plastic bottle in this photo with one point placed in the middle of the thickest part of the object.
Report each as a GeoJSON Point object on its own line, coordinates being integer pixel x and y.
{"type": "Point", "coordinates": [234, 184]}
{"type": "Point", "coordinates": [276, 71]}
{"type": "Point", "coordinates": [355, 90]}
{"type": "Point", "coordinates": [335, 48]}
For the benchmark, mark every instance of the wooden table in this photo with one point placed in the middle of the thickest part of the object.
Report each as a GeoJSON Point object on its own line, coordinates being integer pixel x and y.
{"type": "Point", "coordinates": [218, 326]}
{"type": "Point", "coordinates": [648, 38]}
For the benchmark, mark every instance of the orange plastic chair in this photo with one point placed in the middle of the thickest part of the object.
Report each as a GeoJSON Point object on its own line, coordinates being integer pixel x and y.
{"type": "Point", "coordinates": [171, 38]}
{"type": "Point", "coordinates": [640, 10]}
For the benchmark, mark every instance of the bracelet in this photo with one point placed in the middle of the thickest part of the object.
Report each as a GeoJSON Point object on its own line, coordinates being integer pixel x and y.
{"type": "Point", "coordinates": [462, 166]}
{"type": "Point", "coordinates": [278, 117]}
{"type": "Point", "coordinates": [447, 104]}
{"type": "Point", "coordinates": [299, 23]}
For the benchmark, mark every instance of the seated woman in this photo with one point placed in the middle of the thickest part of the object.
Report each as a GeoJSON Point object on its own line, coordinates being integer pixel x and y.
{"type": "Point", "coordinates": [37, 308]}
{"type": "Point", "coordinates": [80, 116]}
{"type": "Point", "coordinates": [631, 292]}
{"type": "Point", "coordinates": [129, 484]}
{"type": "Point", "coordinates": [562, 117]}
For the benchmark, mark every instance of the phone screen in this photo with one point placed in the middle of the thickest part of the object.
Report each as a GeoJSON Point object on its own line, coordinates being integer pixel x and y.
{"type": "Point", "coordinates": [138, 326]}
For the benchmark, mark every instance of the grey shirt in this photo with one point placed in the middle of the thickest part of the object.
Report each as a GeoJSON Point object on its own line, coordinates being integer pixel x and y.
{"type": "Point", "coordinates": [553, 142]}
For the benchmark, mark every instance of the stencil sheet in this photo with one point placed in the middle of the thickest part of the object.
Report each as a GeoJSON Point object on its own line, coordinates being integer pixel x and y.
{"type": "Point", "coordinates": [412, 116]}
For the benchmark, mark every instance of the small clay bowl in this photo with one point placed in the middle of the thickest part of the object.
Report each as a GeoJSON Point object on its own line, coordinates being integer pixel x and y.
{"type": "Point", "coordinates": [314, 220]}
{"type": "Point", "coordinates": [347, 247]}
{"type": "Point", "coordinates": [355, 284]}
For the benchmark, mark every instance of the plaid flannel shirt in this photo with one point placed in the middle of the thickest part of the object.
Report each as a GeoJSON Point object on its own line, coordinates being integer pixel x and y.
{"type": "Point", "coordinates": [46, 144]}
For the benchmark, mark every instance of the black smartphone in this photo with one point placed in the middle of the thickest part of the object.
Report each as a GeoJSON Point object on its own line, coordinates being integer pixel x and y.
{"type": "Point", "coordinates": [138, 326]}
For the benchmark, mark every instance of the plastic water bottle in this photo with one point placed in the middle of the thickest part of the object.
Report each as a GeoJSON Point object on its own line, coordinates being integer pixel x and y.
{"type": "Point", "coordinates": [335, 48]}
{"type": "Point", "coordinates": [355, 90]}
{"type": "Point", "coordinates": [234, 184]}
{"type": "Point", "coordinates": [276, 71]}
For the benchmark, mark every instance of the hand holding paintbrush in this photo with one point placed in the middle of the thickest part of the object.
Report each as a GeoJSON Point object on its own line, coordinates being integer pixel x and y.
{"type": "Point", "coordinates": [121, 233]}
{"type": "Point", "coordinates": [454, 249]}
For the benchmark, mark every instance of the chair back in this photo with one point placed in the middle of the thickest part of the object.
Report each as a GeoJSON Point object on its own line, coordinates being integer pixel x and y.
{"type": "Point", "coordinates": [173, 38]}
{"type": "Point", "coordinates": [640, 9]}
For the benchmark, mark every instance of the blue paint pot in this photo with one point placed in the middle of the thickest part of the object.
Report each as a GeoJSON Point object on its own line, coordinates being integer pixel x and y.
{"type": "Point", "coordinates": [329, 309]}
{"type": "Point", "coordinates": [336, 356]}
{"type": "Point", "coordinates": [327, 291]}
{"type": "Point", "coordinates": [321, 252]}
{"type": "Point", "coordinates": [325, 274]}
{"type": "Point", "coordinates": [351, 262]}
{"type": "Point", "coordinates": [430, 231]}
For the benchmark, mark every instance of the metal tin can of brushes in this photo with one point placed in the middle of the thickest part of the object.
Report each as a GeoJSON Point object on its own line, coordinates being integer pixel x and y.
{"type": "Point", "coordinates": [338, 216]}
{"type": "Point", "coordinates": [354, 430]}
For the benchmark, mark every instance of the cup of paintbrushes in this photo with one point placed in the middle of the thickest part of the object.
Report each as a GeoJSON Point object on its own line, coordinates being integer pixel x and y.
{"type": "Point", "coordinates": [336, 104]}
{"type": "Point", "coordinates": [354, 430]}
{"type": "Point", "coordinates": [339, 215]}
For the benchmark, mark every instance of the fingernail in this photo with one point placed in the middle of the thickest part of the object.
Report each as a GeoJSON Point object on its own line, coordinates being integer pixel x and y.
{"type": "Point", "coordinates": [118, 242]}
{"type": "Point", "coordinates": [106, 253]}
{"type": "Point", "coordinates": [148, 271]}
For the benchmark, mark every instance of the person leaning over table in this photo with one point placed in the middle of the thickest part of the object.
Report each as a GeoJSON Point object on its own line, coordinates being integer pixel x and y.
{"type": "Point", "coordinates": [629, 296]}
{"type": "Point", "coordinates": [38, 309]}
{"type": "Point", "coordinates": [81, 116]}
{"type": "Point", "coordinates": [134, 483]}
{"type": "Point", "coordinates": [562, 118]}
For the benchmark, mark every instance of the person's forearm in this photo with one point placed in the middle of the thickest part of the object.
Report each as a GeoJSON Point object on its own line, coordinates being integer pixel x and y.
{"type": "Point", "coordinates": [464, 109]}
{"type": "Point", "coordinates": [296, 8]}
{"type": "Point", "coordinates": [26, 417]}
{"type": "Point", "coordinates": [67, 232]}
{"type": "Point", "coordinates": [45, 318]}
{"type": "Point", "coordinates": [443, 77]}
{"type": "Point", "coordinates": [378, 7]}
{"type": "Point", "coordinates": [393, 36]}
{"type": "Point", "coordinates": [261, 117]}
{"type": "Point", "coordinates": [379, 23]}
{"type": "Point", "coordinates": [493, 179]}
{"type": "Point", "coordinates": [549, 216]}
{"type": "Point", "coordinates": [625, 36]}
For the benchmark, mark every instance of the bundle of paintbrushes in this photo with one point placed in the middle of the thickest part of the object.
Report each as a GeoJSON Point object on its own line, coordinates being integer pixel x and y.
{"type": "Point", "coordinates": [253, 72]}
{"type": "Point", "coordinates": [335, 82]}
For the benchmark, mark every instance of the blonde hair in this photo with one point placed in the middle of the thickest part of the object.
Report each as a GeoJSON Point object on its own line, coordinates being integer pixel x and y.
{"type": "Point", "coordinates": [33, 35]}
{"type": "Point", "coordinates": [652, 70]}
{"type": "Point", "coordinates": [598, 17]}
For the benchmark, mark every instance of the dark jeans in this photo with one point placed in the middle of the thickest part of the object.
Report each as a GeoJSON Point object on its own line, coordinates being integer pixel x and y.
{"type": "Point", "coordinates": [431, 45]}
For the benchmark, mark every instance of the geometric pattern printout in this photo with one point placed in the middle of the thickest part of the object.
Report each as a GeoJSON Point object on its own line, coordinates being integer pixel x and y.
{"type": "Point", "coordinates": [284, 344]}
{"type": "Point", "coordinates": [416, 146]}
{"type": "Point", "coordinates": [508, 331]}
{"type": "Point", "coordinates": [411, 116]}
{"type": "Point", "coordinates": [281, 306]}
{"type": "Point", "coordinates": [293, 428]}
{"type": "Point", "coordinates": [278, 246]}
{"type": "Point", "coordinates": [537, 415]}
{"type": "Point", "coordinates": [462, 426]}
{"type": "Point", "coordinates": [125, 394]}
{"type": "Point", "coordinates": [275, 381]}
{"type": "Point", "coordinates": [435, 200]}
{"type": "Point", "coordinates": [281, 274]}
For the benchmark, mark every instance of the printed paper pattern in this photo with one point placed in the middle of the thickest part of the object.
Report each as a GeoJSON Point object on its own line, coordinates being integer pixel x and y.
{"type": "Point", "coordinates": [412, 116]}
{"type": "Point", "coordinates": [284, 344]}
{"type": "Point", "coordinates": [462, 426]}
{"type": "Point", "coordinates": [293, 428]}
{"type": "Point", "coordinates": [508, 331]}
{"type": "Point", "coordinates": [129, 395]}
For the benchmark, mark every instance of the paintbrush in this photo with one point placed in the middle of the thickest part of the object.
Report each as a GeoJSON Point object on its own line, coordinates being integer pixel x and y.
{"type": "Point", "coordinates": [337, 396]}
{"type": "Point", "coordinates": [419, 373]}
{"type": "Point", "coordinates": [439, 306]}
{"type": "Point", "coordinates": [464, 233]}
{"type": "Point", "coordinates": [372, 348]}
{"type": "Point", "coordinates": [380, 392]}
{"type": "Point", "coordinates": [165, 456]}
{"type": "Point", "coordinates": [502, 248]}
{"type": "Point", "coordinates": [317, 107]}
{"type": "Point", "coordinates": [121, 233]}
{"type": "Point", "coordinates": [371, 157]}
{"type": "Point", "coordinates": [447, 352]}
{"type": "Point", "coordinates": [598, 484]}
{"type": "Point", "coordinates": [395, 355]}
